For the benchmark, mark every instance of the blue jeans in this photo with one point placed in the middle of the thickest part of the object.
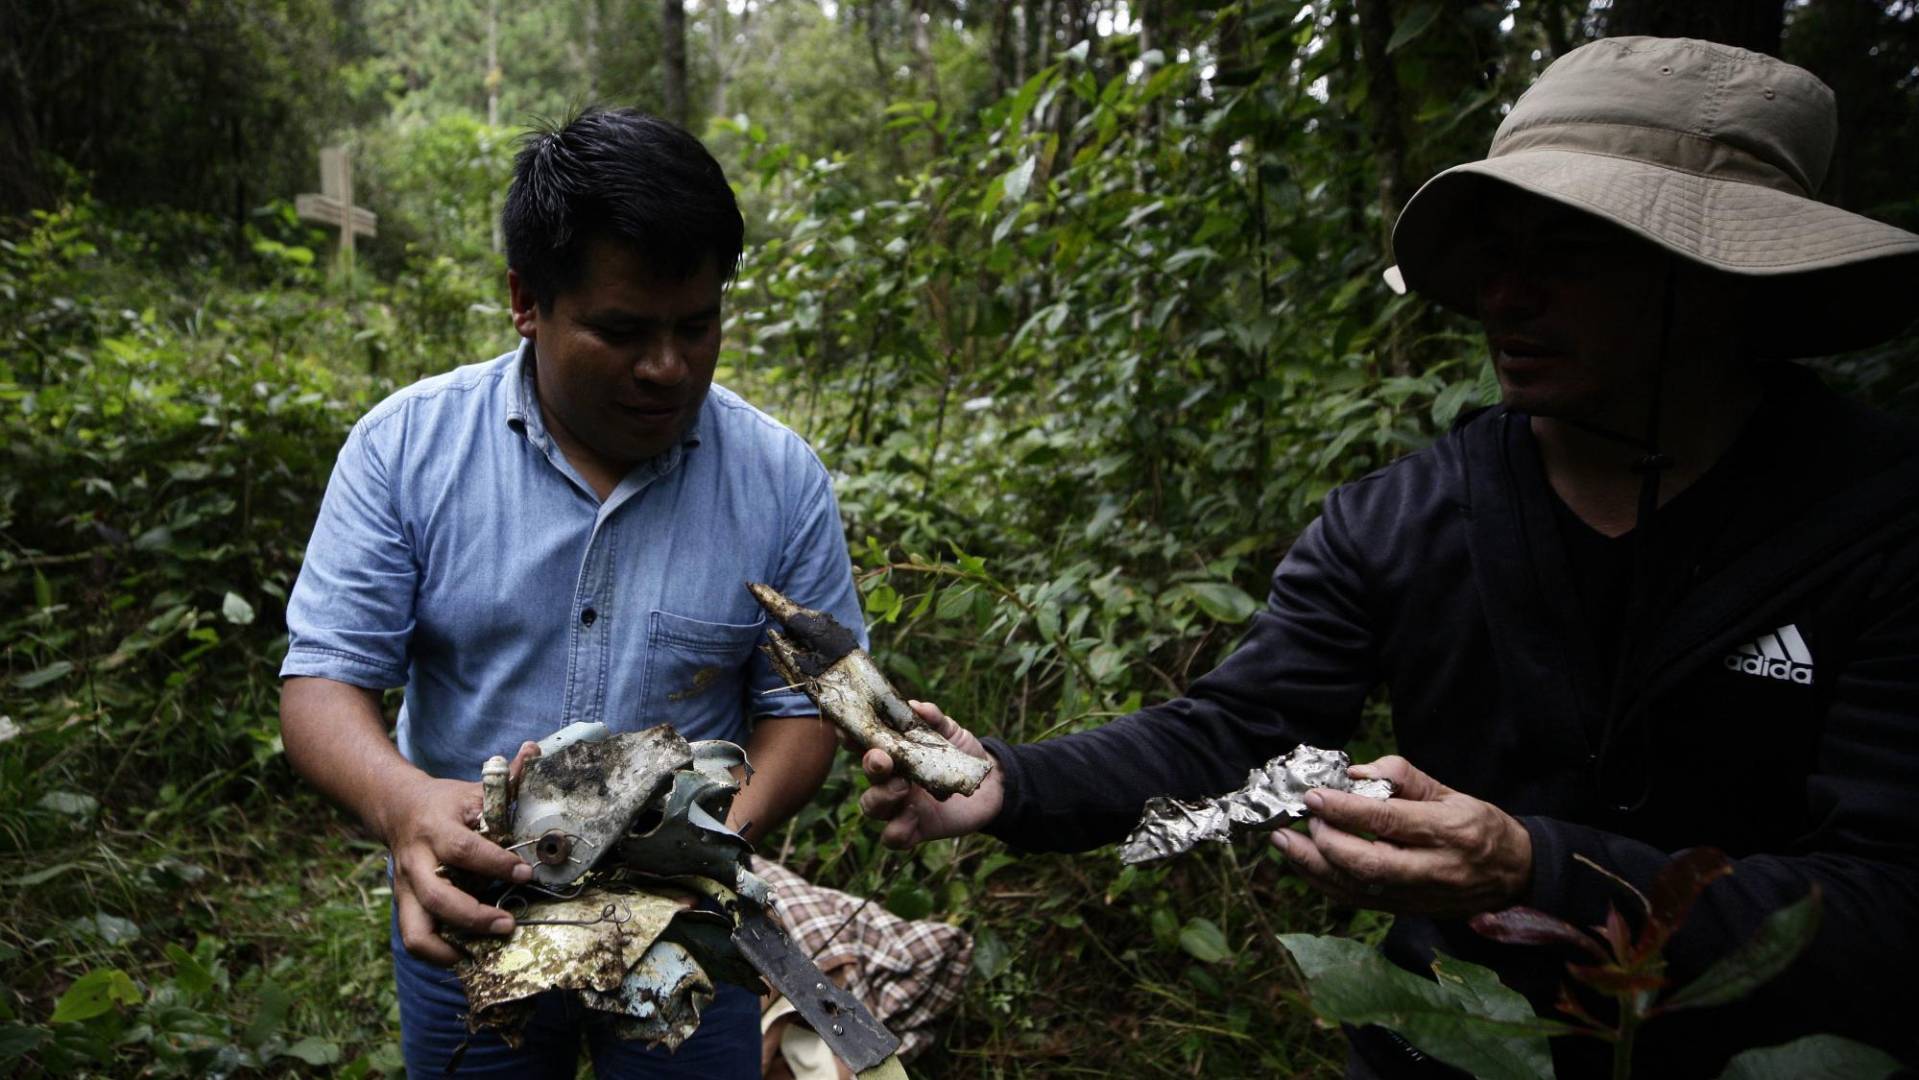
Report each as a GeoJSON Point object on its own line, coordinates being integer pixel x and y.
{"type": "Point", "coordinates": [433, 1025]}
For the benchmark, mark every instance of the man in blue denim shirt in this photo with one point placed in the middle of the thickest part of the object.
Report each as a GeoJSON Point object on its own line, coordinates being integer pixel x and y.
{"type": "Point", "coordinates": [563, 534]}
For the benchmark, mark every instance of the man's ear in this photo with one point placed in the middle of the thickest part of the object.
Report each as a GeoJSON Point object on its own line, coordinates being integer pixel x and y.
{"type": "Point", "coordinates": [526, 309]}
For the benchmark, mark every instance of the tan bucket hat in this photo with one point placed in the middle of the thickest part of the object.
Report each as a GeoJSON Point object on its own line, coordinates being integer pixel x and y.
{"type": "Point", "coordinates": [1711, 152]}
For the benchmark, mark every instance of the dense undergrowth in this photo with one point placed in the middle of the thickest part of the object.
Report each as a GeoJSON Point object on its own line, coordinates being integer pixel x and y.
{"type": "Point", "coordinates": [1075, 406]}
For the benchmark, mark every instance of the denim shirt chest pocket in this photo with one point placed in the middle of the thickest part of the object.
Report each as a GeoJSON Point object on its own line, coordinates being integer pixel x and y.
{"type": "Point", "coordinates": [696, 674]}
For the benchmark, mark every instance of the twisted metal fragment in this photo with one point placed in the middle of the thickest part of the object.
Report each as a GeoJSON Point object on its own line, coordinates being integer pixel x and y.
{"type": "Point", "coordinates": [824, 659]}
{"type": "Point", "coordinates": [1273, 792]}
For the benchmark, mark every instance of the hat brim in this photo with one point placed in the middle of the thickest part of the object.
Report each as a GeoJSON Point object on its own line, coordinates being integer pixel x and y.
{"type": "Point", "coordinates": [1824, 280]}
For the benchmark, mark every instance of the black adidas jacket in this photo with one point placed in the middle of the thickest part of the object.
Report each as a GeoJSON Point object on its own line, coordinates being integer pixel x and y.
{"type": "Point", "coordinates": [1442, 578]}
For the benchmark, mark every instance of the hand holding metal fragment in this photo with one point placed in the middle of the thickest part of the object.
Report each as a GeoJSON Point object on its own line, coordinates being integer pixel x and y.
{"type": "Point", "coordinates": [641, 897]}
{"type": "Point", "coordinates": [824, 659]}
{"type": "Point", "coordinates": [1274, 792]}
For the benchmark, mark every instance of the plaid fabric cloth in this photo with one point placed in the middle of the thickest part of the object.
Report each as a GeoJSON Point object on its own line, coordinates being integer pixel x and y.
{"type": "Point", "coordinates": [908, 973]}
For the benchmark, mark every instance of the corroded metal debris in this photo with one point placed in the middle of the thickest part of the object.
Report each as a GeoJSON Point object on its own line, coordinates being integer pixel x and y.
{"type": "Point", "coordinates": [641, 896]}
{"type": "Point", "coordinates": [1275, 791]}
{"type": "Point", "coordinates": [824, 659]}
{"type": "Point", "coordinates": [595, 943]}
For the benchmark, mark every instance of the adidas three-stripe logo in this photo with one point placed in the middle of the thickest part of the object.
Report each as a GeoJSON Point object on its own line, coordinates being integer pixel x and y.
{"type": "Point", "coordinates": [1780, 655]}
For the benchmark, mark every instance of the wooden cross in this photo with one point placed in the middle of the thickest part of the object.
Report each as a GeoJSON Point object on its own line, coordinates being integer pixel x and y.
{"type": "Point", "coordinates": [334, 204]}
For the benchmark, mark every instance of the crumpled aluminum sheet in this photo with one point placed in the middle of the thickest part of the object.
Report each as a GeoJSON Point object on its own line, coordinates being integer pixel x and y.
{"type": "Point", "coordinates": [589, 952]}
{"type": "Point", "coordinates": [661, 999]}
{"type": "Point", "coordinates": [1273, 792]}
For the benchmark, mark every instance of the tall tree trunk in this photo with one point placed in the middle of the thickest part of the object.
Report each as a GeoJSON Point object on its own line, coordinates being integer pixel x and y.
{"type": "Point", "coordinates": [1749, 24]}
{"type": "Point", "coordinates": [1044, 28]}
{"type": "Point", "coordinates": [722, 66]}
{"type": "Point", "coordinates": [590, 30]}
{"type": "Point", "coordinates": [1345, 39]}
{"type": "Point", "coordinates": [494, 77]}
{"type": "Point", "coordinates": [1022, 42]}
{"type": "Point", "coordinates": [929, 71]}
{"type": "Point", "coordinates": [1383, 111]}
{"type": "Point", "coordinates": [673, 60]}
{"type": "Point", "coordinates": [1552, 20]}
{"type": "Point", "coordinates": [20, 186]}
{"type": "Point", "coordinates": [1001, 51]}
{"type": "Point", "coordinates": [236, 144]}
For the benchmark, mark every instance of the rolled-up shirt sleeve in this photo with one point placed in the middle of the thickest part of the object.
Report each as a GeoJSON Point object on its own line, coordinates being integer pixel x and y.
{"type": "Point", "coordinates": [351, 614]}
{"type": "Point", "coordinates": [815, 571]}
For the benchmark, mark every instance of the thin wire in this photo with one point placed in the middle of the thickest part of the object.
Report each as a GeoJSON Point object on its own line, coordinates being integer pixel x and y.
{"type": "Point", "coordinates": [885, 857]}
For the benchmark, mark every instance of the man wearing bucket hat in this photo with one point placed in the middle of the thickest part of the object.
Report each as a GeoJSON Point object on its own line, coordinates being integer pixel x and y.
{"type": "Point", "coordinates": [1664, 596]}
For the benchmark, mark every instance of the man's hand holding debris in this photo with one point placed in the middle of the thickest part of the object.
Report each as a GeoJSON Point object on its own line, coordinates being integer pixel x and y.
{"type": "Point", "coordinates": [912, 815]}
{"type": "Point", "coordinates": [1435, 851]}
{"type": "Point", "coordinates": [336, 735]}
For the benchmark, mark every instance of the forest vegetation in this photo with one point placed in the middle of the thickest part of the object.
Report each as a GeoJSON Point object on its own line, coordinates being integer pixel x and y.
{"type": "Point", "coordinates": [1080, 301]}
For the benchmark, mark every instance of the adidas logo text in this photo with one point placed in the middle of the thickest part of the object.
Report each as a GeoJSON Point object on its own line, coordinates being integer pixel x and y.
{"type": "Point", "coordinates": [1780, 655]}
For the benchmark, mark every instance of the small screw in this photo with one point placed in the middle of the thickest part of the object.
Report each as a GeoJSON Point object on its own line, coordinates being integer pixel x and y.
{"type": "Point", "coordinates": [838, 1030]}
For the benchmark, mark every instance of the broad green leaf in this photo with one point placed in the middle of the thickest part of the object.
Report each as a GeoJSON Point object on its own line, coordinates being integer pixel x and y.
{"type": "Point", "coordinates": [910, 900]}
{"type": "Point", "coordinates": [1019, 178]}
{"type": "Point", "coordinates": [108, 927]}
{"type": "Point", "coordinates": [1479, 992]}
{"type": "Point", "coordinates": [1815, 1057]}
{"type": "Point", "coordinates": [881, 600]}
{"type": "Point", "coordinates": [189, 974]}
{"type": "Point", "coordinates": [1203, 941]}
{"type": "Point", "coordinates": [19, 1040]}
{"type": "Point", "coordinates": [1185, 257]}
{"type": "Point", "coordinates": [1412, 24]}
{"type": "Point", "coordinates": [34, 680]}
{"type": "Point", "coordinates": [237, 610]}
{"type": "Point", "coordinates": [1454, 400]}
{"type": "Point", "coordinates": [95, 993]}
{"type": "Point", "coordinates": [314, 1051]}
{"type": "Point", "coordinates": [1022, 103]}
{"type": "Point", "coordinates": [1352, 984]}
{"type": "Point", "coordinates": [991, 957]}
{"type": "Point", "coordinates": [955, 603]}
{"type": "Point", "coordinates": [1106, 661]}
{"type": "Point", "coordinates": [269, 1016]}
{"type": "Point", "coordinates": [1771, 950]}
{"type": "Point", "coordinates": [1317, 954]}
{"type": "Point", "coordinates": [1222, 600]}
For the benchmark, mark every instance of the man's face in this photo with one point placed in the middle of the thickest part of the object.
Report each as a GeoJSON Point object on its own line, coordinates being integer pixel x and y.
{"type": "Point", "coordinates": [1572, 312]}
{"type": "Point", "coordinates": [623, 360]}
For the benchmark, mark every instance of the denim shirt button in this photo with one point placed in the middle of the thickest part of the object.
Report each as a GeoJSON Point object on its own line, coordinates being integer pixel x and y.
{"type": "Point", "coordinates": [588, 616]}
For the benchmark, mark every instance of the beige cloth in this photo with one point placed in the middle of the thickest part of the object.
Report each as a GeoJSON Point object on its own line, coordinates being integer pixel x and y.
{"type": "Point", "coordinates": [909, 974]}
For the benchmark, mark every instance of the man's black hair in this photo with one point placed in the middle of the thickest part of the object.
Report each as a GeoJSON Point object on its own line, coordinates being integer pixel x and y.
{"type": "Point", "coordinates": [621, 175]}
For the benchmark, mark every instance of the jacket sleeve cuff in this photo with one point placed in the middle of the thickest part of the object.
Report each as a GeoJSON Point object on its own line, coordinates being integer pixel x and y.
{"type": "Point", "coordinates": [1006, 826]}
{"type": "Point", "coordinates": [1552, 857]}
